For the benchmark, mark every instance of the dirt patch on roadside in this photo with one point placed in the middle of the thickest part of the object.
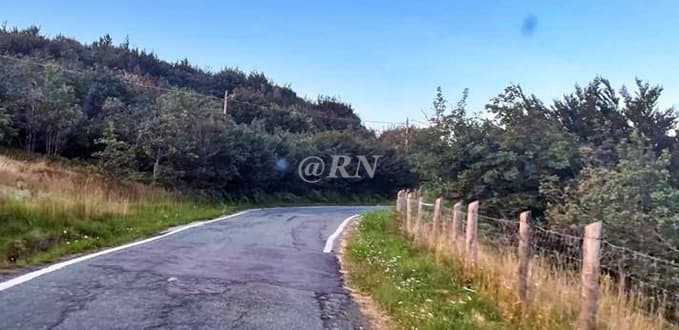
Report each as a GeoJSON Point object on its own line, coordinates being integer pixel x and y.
{"type": "Point", "coordinates": [377, 318]}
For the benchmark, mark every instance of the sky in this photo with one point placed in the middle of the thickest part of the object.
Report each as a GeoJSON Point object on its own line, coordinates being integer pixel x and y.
{"type": "Point", "coordinates": [386, 58]}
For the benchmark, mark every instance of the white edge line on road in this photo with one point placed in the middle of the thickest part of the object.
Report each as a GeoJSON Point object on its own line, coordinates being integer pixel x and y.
{"type": "Point", "coordinates": [331, 240]}
{"type": "Point", "coordinates": [29, 276]}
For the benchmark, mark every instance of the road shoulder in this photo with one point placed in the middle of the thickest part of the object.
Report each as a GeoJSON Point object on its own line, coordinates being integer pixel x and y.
{"type": "Point", "coordinates": [376, 317]}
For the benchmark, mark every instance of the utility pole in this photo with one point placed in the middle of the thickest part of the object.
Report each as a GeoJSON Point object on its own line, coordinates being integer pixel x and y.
{"type": "Point", "coordinates": [226, 101]}
{"type": "Point", "coordinates": [407, 133]}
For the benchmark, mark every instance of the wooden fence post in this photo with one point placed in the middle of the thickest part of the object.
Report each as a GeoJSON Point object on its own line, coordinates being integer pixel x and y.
{"type": "Point", "coordinates": [456, 234]}
{"type": "Point", "coordinates": [399, 204]}
{"type": "Point", "coordinates": [401, 210]}
{"type": "Point", "coordinates": [400, 201]}
{"type": "Point", "coordinates": [435, 222]}
{"type": "Point", "coordinates": [471, 245]}
{"type": "Point", "coordinates": [622, 279]}
{"type": "Point", "coordinates": [589, 287]}
{"type": "Point", "coordinates": [409, 212]}
{"type": "Point", "coordinates": [524, 255]}
{"type": "Point", "coordinates": [418, 218]}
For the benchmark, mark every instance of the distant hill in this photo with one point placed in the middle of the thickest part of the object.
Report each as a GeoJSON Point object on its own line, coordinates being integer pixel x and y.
{"type": "Point", "coordinates": [252, 94]}
{"type": "Point", "coordinates": [140, 117]}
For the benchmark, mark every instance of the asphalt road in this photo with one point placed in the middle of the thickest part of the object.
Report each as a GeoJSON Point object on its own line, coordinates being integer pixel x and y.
{"type": "Point", "coordinates": [264, 269]}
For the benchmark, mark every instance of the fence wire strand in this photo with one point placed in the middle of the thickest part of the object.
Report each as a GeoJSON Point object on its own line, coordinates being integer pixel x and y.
{"type": "Point", "coordinates": [651, 282]}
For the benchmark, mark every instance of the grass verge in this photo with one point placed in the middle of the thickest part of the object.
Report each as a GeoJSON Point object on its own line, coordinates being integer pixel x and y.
{"type": "Point", "coordinates": [49, 210]}
{"type": "Point", "coordinates": [417, 290]}
{"type": "Point", "coordinates": [32, 234]}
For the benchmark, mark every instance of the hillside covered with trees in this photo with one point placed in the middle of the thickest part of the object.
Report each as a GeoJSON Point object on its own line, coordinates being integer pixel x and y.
{"type": "Point", "coordinates": [144, 118]}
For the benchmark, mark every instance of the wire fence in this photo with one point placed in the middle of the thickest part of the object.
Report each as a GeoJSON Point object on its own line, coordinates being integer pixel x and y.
{"type": "Point", "coordinates": [634, 289]}
{"type": "Point", "coordinates": [651, 283]}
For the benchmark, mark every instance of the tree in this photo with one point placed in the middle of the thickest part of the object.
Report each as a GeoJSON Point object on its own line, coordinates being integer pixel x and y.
{"type": "Point", "coordinates": [45, 106]}
{"type": "Point", "coordinates": [21, 88]}
{"type": "Point", "coordinates": [163, 131]}
{"type": "Point", "coordinates": [6, 129]}
{"type": "Point", "coordinates": [440, 106]}
{"type": "Point", "coordinates": [500, 160]}
{"type": "Point", "coordinates": [329, 113]}
{"type": "Point", "coordinates": [433, 150]}
{"type": "Point", "coordinates": [58, 113]}
{"type": "Point", "coordinates": [593, 115]}
{"type": "Point", "coordinates": [635, 199]}
{"type": "Point", "coordinates": [642, 112]}
{"type": "Point", "coordinates": [117, 156]}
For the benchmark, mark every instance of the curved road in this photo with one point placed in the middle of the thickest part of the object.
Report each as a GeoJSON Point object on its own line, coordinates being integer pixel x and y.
{"type": "Point", "coordinates": [264, 269]}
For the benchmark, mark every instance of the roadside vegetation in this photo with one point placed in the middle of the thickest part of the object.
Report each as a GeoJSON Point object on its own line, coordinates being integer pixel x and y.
{"type": "Point", "coordinates": [554, 294]}
{"type": "Point", "coordinates": [426, 285]}
{"type": "Point", "coordinates": [53, 207]}
{"type": "Point", "coordinates": [596, 154]}
{"type": "Point", "coordinates": [416, 289]}
{"type": "Point", "coordinates": [48, 211]}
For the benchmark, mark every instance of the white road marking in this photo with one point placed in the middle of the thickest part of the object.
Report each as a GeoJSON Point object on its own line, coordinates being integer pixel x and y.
{"type": "Point", "coordinates": [331, 240]}
{"type": "Point", "coordinates": [29, 276]}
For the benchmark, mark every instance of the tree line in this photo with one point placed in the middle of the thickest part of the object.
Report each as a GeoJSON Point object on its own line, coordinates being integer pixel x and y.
{"type": "Point", "coordinates": [163, 123]}
{"type": "Point", "coordinates": [597, 153]}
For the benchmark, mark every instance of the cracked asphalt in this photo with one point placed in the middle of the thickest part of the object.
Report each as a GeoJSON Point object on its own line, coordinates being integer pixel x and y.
{"type": "Point", "coordinates": [264, 269]}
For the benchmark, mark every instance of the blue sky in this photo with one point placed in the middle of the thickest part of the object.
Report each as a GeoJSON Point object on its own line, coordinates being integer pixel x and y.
{"type": "Point", "coordinates": [386, 58]}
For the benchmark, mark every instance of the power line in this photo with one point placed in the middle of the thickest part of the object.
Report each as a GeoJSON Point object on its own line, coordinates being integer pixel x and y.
{"type": "Point", "coordinates": [420, 122]}
{"type": "Point", "coordinates": [317, 114]}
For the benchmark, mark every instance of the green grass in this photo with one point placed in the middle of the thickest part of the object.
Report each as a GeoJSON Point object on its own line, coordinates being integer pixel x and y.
{"type": "Point", "coordinates": [414, 289]}
{"type": "Point", "coordinates": [30, 235]}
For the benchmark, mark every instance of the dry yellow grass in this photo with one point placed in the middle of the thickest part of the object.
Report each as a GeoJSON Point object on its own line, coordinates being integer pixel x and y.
{"type": "Point", "coordinates": [48, 210]}
{"type": "Point", "coordinates": [48, 186]}
{"type": "Point", "coordinates": [554, 292]}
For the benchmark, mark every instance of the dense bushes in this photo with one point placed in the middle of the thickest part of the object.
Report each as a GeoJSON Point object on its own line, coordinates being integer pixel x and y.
{"type": "Point", "coordinates": [596, 154]}
{"type": "Point", "coordinates": [635, 198]}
